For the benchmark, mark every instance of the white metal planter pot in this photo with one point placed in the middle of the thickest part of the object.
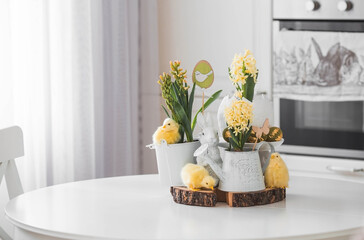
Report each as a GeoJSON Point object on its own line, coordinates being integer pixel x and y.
{"type": "Point", "coordinates": [243, 171]}
{"type": "Point", "coordinates": [171, 158]}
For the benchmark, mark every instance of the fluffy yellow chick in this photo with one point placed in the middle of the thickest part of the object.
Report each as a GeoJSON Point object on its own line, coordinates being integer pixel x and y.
{"type": "Point", "coordinates": [196, 177]}
{"type": "Point", "coordinates": [168, 132]}
{"type": "Point", "coordinates": [276, 174]}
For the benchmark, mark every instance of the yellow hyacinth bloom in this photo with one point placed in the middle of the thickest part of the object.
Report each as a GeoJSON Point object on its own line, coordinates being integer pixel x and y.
{"type": "Point", "coordinates": [239, 94]}
{"type": "Point", "coordinates": [247, 53]}
{"type": "Point", "coordinates": [242, 67]}
{"type": "Point", "coordinates": [239, 116]}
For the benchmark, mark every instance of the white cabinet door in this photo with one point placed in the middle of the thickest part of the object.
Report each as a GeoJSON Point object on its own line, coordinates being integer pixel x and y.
{"type": "Point", "coordinates": [333, 168]}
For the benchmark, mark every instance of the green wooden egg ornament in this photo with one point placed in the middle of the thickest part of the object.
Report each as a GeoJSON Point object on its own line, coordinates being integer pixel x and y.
{"type": "Point", "coordinates": [275, 134]}
{"type": "Point", "coordinates": [226, 134]}
{"type": "Point", "coordinates": [202, 74]}
{"type": "Point", "coordinates": [252, 138]}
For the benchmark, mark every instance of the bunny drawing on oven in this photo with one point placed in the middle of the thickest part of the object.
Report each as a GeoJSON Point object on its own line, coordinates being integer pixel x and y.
{"type": "Point", "coordinates": [361, 78]}
{"type": "Point", "coordinates": [339, 66]}
{"type": "Point", "coordinates": [208, 155]}
{"type": "Point", "coordinates": [290, 67]}
{"type": "Point", "coordinates": [305, 67]}
{"type": "Point", "coordinates": [278, 68]}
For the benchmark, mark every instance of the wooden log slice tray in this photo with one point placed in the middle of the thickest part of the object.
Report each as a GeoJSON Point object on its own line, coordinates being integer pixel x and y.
{"type": "Point", "coordinates": [209, 198]}
{"type": "Point", "coordinates": [183, 195]}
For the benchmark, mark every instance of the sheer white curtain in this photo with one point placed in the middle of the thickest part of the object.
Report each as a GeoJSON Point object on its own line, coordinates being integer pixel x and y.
{"type": "Point", "coordinates": [72, 83]}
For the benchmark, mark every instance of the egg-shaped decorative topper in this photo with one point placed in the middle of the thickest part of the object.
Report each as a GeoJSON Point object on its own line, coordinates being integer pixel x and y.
{"type": "Point", "coordinates": [202, 74]}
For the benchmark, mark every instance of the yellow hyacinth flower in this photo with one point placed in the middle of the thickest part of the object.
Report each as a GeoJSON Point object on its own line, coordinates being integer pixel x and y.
{"type": "Point", "coordinates": [239, 94]}
{"type": "Point", "coordinates": [242, 67]}
{"type": "Point", "coordinates": [247, 53]}
{"type": "Point", "coordinates": [239, 115]}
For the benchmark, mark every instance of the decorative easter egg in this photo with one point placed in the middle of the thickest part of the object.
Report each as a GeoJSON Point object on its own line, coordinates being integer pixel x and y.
{"type": "Point", "coordinates": [264, 137]}
{"type": "Point", "coordinates": [226, 134]}
{"type": "Point", "coordinates": [202, 74]}
{"type": "Point", "coordinates": [275, 134]}
{"type": "Point", "coordinates": [252, 138]}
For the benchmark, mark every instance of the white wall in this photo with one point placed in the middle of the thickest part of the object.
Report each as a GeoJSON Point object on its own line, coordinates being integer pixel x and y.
{"type": "Point", "coordinates": [263, 44]}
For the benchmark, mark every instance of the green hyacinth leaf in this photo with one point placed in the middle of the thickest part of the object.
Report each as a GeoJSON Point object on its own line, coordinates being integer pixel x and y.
{"type": "Point", "coordinates": [249, 88]}
{"type": "Point", "coordinates": [184, 121]}
{"type": "Point", "coordinates": [214, 96]}
{"type": "Point", "coordinates": [165, 110]}
{"type": "Point", "coordinates": [190, 103]}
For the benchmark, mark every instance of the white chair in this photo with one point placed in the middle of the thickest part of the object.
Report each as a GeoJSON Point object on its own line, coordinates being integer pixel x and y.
{"type": "Point", "coordinates": [11, 147]}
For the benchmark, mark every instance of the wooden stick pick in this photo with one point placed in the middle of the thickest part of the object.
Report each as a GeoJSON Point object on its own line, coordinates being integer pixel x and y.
{"type": "Point", "coordinates": [203, 100]}
{"type": "Point", "coordinates": [256, 140]}
{"type": "Point", "coordinates": [259, 131]}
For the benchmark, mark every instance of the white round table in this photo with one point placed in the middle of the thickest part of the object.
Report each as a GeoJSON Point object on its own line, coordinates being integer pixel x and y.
{"type": "Point", "coordinates": [136, 207]}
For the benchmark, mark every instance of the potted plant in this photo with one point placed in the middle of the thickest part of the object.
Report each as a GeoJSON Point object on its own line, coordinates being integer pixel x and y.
{"type": "Point", "coordinates": [179, 99]}
{"type": "Point", "coordinates": [241, 164]}
{"type": "Point", "coordinates": [239, 115]}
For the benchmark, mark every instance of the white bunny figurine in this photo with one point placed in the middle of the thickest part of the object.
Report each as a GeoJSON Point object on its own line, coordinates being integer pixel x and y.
{"type": "Point", "coordinates": [208, 155]}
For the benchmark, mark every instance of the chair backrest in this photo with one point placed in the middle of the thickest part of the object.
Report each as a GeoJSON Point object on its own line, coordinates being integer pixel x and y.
{"type": "Point", "coordinates": [11, 143]}
{"type": "Point", "coordinates": [11, 147]}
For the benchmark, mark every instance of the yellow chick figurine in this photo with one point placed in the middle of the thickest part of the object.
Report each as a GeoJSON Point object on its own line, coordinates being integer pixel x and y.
{"type": "Point", "coordinates": [276, 174]}
{"type": "Point", "coordinates": [195, 177]}
{"type": "Point", "coordinates": [169, 132]}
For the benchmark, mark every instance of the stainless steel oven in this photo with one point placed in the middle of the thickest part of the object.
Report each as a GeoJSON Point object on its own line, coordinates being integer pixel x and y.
{"type": "Point", "coordinates": [318, 76]}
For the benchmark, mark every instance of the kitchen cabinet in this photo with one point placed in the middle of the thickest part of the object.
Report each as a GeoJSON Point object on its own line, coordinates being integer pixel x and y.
{"type": "Point", "coordinates": [324, 167]}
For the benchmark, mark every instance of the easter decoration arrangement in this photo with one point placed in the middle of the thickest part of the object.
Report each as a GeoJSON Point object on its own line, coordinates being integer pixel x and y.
{"type": "Point", "coordinates": [242, 169]}
{"type": "Point", "coordinates": [246, 170]}
{"type": "Point", "coordinates": [173, 141]}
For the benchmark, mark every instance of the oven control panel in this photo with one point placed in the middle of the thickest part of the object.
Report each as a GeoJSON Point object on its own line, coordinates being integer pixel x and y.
{"type": "Point", "coordinates": [318, 9]}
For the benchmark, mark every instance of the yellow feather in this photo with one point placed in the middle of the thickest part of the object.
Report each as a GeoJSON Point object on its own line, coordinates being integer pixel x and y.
{"type": "Point", "coordinates": [169, 132]}
{"type": "Point", "coordinates": [276, 174]}
{"type": "Point", "coordinates": [196, 176]}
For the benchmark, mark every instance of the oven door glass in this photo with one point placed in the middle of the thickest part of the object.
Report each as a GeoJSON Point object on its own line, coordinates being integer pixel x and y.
{"type": "Point", "coordinates": [323, 124]}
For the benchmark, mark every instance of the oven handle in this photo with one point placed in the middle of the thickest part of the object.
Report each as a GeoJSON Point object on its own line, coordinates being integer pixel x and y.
{"type": "Point", "coordinates": [321, 26]}
{"type": "Point", "coordinates": [343, 169]}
